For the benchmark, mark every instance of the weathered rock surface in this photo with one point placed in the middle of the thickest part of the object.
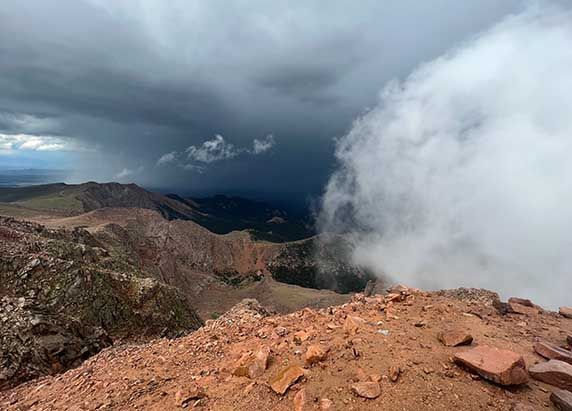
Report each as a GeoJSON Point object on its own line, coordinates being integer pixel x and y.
{"type": "Point", "coordinates": [34, 342]}
{"type": "Point", "coordinates": [285, 378]}
{"type": "Point", "coordinates": [553, 372]}
{"type": "Point", "coordinates": [369, 390]}
{"type": "Point", "coordinates": [565, 312]}
{"type": "Point", "coordinates": [522, 306]}
{"type": "Point", "coordinates": [503, 367]}
{"type": "Point", "coordinates": [553, 352]}
{"type": "Point", "coordinates": [300, 400]}
{"type": "Point", "coordinates": [454, 338]}
{"type": "Point", "coordinates": [562, 399]}
{"type": "Point", "coordinates": [71, 272]}
{"type": "Point", "coordinates": [316, 353]}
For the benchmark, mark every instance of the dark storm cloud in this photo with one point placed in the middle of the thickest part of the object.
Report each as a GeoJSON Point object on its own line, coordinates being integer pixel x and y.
{"type": "Point", "coordinates": [135, 80]}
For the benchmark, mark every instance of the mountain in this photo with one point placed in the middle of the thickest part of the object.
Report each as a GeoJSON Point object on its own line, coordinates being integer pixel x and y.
{"type": "Point", "coordinates": [219, 214]}
{"type": "Point", "coordinates": [72, 280]}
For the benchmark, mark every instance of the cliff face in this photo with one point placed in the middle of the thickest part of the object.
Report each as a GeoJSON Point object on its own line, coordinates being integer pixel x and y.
{"type": "Point", "coordinates": [71, 272]}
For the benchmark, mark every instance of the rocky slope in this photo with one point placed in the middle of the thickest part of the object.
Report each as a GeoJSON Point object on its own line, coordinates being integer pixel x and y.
{"type": "Point", "coordinates": [63, 292]}
{"type": "Point", "coordinates": [185, 255]}
{"type": "Point", "coordinates": [457, 349]}
{"type": "Point", "coordinates": [36, 342]}
{"type": "Point", "coordinates": [71, 272]}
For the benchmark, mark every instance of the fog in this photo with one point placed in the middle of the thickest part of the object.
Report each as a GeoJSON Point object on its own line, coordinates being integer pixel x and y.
{"type": "Point", "coordinates": [461, 175]}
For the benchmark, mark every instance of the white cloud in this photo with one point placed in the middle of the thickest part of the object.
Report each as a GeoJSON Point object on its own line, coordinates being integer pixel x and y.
{"type": "Point", "coordinates": [263, 145]}
{"type": "Point", "coordinates": [128, 172]}
{"type": "Point", "coordinates": [167, 158]}
{"type": "Point", "coordinates": [461, 176]}
{"type": "Point", "coordinates": [212, 150]}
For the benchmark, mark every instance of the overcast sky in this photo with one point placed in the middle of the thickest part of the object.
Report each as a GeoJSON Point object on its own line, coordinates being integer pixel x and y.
{"type": "Point", "coordinates": [243, 96]}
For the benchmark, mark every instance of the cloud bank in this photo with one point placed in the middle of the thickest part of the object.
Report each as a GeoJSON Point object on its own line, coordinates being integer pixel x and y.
{"type": "Point", "coordinates": [461, 175]}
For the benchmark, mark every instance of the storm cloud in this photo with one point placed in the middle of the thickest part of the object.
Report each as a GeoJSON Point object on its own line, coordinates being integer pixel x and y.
{"type": "Point", "coordinates": [133, 81]}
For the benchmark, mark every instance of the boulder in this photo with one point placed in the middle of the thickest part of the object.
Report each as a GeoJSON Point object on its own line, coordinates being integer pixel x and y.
{"type": "Point", "coordinates": [369, 390]}
{"type": "Point", "coordinates": [562, 399]}
{"type": "Point", "coordinates": [316, 353]}
{"type": "Point", "coordinates": [565, 312]}
{"type": "Point", "coordinates": [285, 378]}
{"type": "Point", "coordinates": [552, 352]}
{"type": "Point", "coordinates": [553, 372]}
{"type": "Point", "coordinates": [569, 340]}
{"type": "Point", "coordinates": [454, 338]}
{"type": "Point", "coordinates": [500, 366]}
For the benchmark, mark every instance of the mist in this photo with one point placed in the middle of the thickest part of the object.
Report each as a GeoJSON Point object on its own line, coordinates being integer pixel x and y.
{"type": "Point", "coordinates": [462, 173]}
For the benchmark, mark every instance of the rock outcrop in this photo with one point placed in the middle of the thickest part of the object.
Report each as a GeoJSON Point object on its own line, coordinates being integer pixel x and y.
{"type": "Point", "coordinates": [34, 343]}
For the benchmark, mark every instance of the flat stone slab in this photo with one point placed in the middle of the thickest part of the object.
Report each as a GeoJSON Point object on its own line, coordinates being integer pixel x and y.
{"type": "Point", "coordinates": [562, 399]}
{"type": "Point", "coordinates": [522, 306]}
{"type": "Point", "coordinates": [553, 352]}
{"type": "Point", "coordinates": [565, 312]}
{"type": "Point", "coordinates": [454, 338]}
{"type": "Point", "coordinates": [285, 378]}
{"type": "Point", "coordinates": [500, 366]}
{"type": "Point", "coordinates": [369, 390]}
{"type": "Point", "coordinates": [553, 372]}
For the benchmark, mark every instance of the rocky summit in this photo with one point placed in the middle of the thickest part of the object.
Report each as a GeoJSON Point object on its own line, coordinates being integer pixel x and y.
{"type": "Point", "coordinates": [372, 353]}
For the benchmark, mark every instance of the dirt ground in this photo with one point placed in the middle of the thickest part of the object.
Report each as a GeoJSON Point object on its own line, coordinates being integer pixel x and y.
{"type": "Point", "coordinates": [195, 372]}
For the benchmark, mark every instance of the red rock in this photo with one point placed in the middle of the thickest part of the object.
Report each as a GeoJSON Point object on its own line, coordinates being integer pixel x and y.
{"type": "Point", "coordinates": [562, 399]}
{"type": "Point", "coordinates": [503, 367]}
{"type": "Point", "coordinates": [522, 301]}
{"type": "Point", "coordinates": [300, 337]}
{"type": "Point", "coordinates": [300, 400]}
{"type": "Point", "coordinates": [399, 289]}
{"type": "Point", "coordinates": [316, 353]}
{"type": "Point", "coordinates": [184, 396]}
{"type": "Point", "coordinates": [280, 331]}
{"type": "Point", "coordinates": [352, 324]}
{"type": "Point", "coordinates": [553, 372]}
{"type": "Point", "coordinates": [369, 390]}
{"type": "Point", "coordinates": [454, 338]}
{"type": "Point", "coordinates": [394, 297]}
{"type": "Point", "coordinates": [285, 378]}
{"type": "Point", "coordinates": [565, 312]}
{"type": "Point", "coordinates": [521, 306]}
{"type": "Point", "coordinates": [259, 363]}
{"type": "Point", "coordinates": [326, 404]}
{"type": "Point", "coordinates": [553, 352]}
{"type": "Point", "coordinates": [394, 373]}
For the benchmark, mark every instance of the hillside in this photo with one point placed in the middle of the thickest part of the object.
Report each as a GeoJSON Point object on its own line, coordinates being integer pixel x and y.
{"type": "Point", "coordinates": [219, 214]}
{"type": "Point", "coordinates": [392, 351]}
{"type": "Point", "coordinates": [232, 266]}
